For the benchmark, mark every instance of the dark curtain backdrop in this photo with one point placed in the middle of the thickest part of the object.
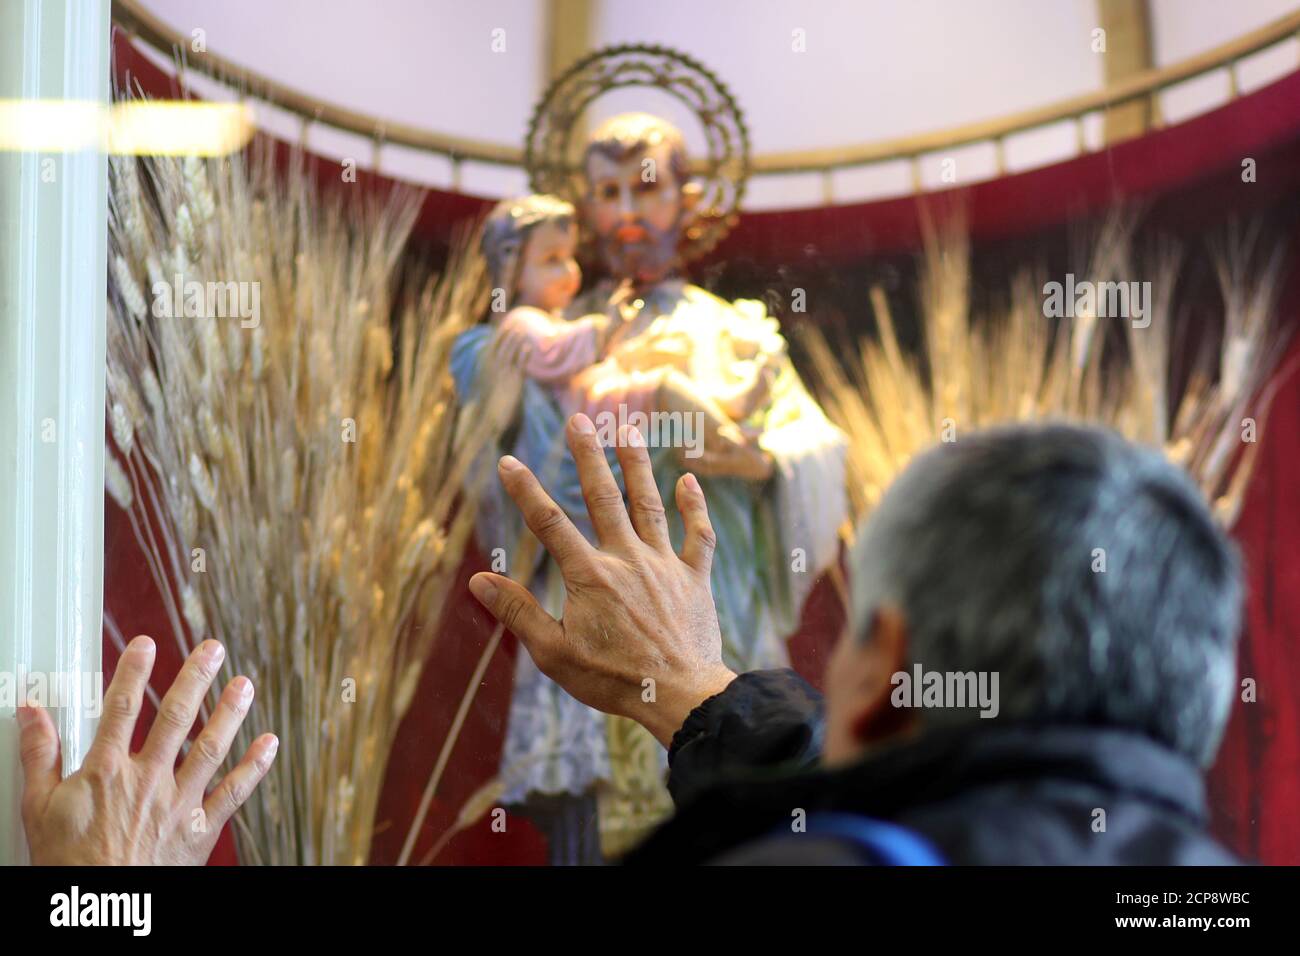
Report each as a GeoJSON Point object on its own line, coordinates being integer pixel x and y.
{"type": "Point", "coordinates": [1185, 181]}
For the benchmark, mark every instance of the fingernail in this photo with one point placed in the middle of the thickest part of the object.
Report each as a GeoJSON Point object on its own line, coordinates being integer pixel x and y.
{"type": "Point", "coordinates": [26, 715]}
{"type": "Point", "coordinates": [244, 688]}
{"type": "Point", "coordinates": [691, 483]}
{"type": "Point", "coordinates": [271, 749]}
{"type": "Point", "coordinates": [213, 651]}
{"type": "Point", "coordinates": [141, 643]}
{"type": "Point", "coordinates": [634, 437]}
{"type": "Point", "coordinates": [582, 424]}
{"type": "Point", "coordinates": [483, 589]}
{"type": "Point", "coordinates": [508, 463]}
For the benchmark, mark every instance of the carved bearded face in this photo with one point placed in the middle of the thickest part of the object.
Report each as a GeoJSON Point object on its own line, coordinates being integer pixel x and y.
{"type": "Point", "coordinates": [634, 208]}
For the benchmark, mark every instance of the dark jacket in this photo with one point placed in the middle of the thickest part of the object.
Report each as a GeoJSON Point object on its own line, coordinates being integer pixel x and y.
{"type": "Point", "coordinates": [744, 765]}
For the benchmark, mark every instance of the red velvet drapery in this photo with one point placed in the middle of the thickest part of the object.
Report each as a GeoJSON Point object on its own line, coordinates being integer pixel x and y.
{"type": "Point", "coordinates": [1189, 177]}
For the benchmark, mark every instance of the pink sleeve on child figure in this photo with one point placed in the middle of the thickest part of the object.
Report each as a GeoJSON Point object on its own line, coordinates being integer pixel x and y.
{"type": "Point", "coordinates": [559, 350]}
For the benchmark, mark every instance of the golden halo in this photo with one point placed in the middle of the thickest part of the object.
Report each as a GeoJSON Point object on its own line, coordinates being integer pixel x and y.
{"type": "Point", "coordinates": [725, 170]}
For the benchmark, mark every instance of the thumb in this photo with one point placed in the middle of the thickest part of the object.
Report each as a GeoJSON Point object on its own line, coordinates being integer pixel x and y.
{"type": "Point", "coordinates": [512, 605]}
{"type": "Point", "coordinates": [38, 748]}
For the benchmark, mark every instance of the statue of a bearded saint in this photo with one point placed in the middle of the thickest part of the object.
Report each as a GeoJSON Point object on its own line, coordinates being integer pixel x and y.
{"type": "Point", "coordinates": [776, 497]}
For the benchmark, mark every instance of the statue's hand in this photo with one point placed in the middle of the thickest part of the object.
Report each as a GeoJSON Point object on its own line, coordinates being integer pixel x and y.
{"type": "Point", "coordinates": [620, 308]}
{"type": "Point", "coordinates": [753, 395]}
{"type": "Point", "coordinates": [511, 346]}
{"type": "Point", "coordinates": [723, 460]}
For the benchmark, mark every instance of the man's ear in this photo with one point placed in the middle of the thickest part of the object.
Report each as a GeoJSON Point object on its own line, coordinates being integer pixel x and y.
{"type": "Point", "coordinates": [886, 648]}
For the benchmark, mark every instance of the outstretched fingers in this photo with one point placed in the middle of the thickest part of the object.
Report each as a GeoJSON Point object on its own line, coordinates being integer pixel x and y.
{"type": "Point", "coordinates": [700, 541]}
{"type": "Point", "coordinates": [180, 706]}
{"type": "Point", "coordinates": [644, 505]}
{"type": "Point", "coordinates": [236, 787]}
{"type": "Point", "coordinates": [543, 516]}
{"type": "Point", "coordinates": [599, 489]}
{"type": "Point", "coordinates": [38, 751]}
{"type": "Point", "coordinates": [511, 604]}
{"type": "Point", "coordinates": [123, 699]}
{"type": "Point", "coordinates": [213, 743]}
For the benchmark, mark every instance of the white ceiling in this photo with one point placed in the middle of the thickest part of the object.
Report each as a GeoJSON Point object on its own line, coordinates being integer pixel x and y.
{"type": "Point", "coordinates": [872, 69]}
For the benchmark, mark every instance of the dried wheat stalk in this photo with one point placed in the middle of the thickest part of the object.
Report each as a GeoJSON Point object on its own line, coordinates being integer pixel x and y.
{"type": "Point", "coordinates": [327, 560]}
{"type": "Point", "coordinates": [1014, 366]}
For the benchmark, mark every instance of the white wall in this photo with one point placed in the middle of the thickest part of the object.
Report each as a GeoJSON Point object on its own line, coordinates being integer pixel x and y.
{"type": "Point", "coordinates": [873, 69]}
{"type": "Point", "coordinates": [1183, 28]}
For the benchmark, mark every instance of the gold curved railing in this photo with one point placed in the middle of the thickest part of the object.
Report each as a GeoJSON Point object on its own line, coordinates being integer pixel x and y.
{"type": "Point", "coordinates": [140, 23]}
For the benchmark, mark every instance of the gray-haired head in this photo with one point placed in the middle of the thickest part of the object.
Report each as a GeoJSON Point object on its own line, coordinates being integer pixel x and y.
{"type": "Point", "coordinates": [1085, 571]}
{"type": "Point", "coordinates": [506, 229]}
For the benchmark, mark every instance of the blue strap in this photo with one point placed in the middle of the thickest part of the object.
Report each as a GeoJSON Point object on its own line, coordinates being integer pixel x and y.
{"type": "Point", "coordinates": [885, 844]}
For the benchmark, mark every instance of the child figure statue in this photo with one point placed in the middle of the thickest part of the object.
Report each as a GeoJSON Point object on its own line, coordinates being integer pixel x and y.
{"type": "Point", "coordinates": [530, 245]}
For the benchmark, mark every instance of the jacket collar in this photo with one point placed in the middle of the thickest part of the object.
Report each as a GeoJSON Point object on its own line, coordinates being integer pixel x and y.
{"type": "Point", "coordinates": [930, 769]}
{"type": "Point", "coordinates": [945, 763]}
